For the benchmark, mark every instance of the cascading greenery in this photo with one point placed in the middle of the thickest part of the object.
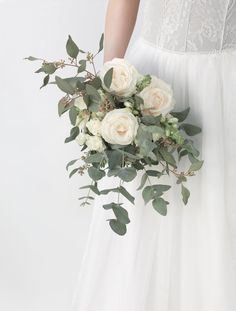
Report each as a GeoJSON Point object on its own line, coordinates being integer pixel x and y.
{"type": "Point", "coordinates": [160, 142]}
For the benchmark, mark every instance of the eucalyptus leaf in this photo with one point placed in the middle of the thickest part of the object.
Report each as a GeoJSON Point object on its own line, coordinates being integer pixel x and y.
{"type": "Point", "coordinates": [181, 116]}
{"type": "Point", "coordinates": [94, 158]}
{"type": "Point", "coordinates": [160, 205]}
{"type": "Point", "coordinates": [190, 129]}
{"type": "Point", "coordinates": [108, 78]}
{"type": "Point", "coordinates": [45, 81]}
{"type": "Point", "coordinates": [111, 173]}
{"type": "Point", "coordinates": [114, 159]}
{"type": "Point", "coordinates": [143, 181]}
{"type": "Point", "coordinates": [101, 42]}
{"type": "Point", "coordinates": [118, 227]}
{"type": "Point", "coordinates": [71, 48]}
{"type": "Point", "coordinates": [109, 206]}
{"type": "Point", "coordinates": [91, 91]}
{"type": "Point", "coordinates": [32, 58]}
{"type": "Point", "coordinates": [86, 197]}
{"type": "Point", "coordinates": [96, 83]}
{"type": "Point", "coordinates": [185, 194]}
{"type": "Point", "coordinates": [126, 194]}
{"type": "Point", "coordinates": [127, 174]}
{"type": "Point", "coordinates": [73, 172]}
{"type": "Point", "coordinates": [71, 163]}
{"type": "Point", "coordinates": [82, 66]}
{"type": "Point", "coordinates": [168, 157]}
{"type": "Point", "coordinates": [188, 145]}
{"type": "Point", "coordinates": [73, 113]}
{"type": "Point", "coordinates": [49, 68]}
{"type": "Point", "coordinates": [94, 188]}
{"type": "Point", "coordinates": [121, 214]}
{"type": "Point", "coordinates": [147, 194]}
{"type": "Point", "coordinates": [196, 166]}
{"type": "Point", "coordinates": [64, 86]}
{"type": "Point", "coordinates": [63, 106]}
{"type": "Point", "coordinates": [73, 134]}
{"type": "Point", "coordinates": [106, 191]}
{"type": "Point", "coordinates": [95, 174]}
{"type": "Point", "coordinates": [154, 173]}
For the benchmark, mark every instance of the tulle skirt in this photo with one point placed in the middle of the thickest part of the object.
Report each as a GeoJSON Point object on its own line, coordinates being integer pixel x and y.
{"type": "Point", "coordinates": [185, 261]}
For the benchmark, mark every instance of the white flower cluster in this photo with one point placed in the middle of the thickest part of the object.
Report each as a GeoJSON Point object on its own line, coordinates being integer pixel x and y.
{"type": "Point", "coordinates": [120, 126]}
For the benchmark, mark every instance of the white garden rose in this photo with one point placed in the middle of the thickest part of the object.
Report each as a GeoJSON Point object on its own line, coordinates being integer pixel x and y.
{"type": "Point", "coordinates": [158, 98]}
{"type": "Point", "coordinates": [124, 79]}
{"type": "Point", "coordinates": [119, 127]}
{"type": "Point", "coordinates": [81, 138]}
{"type": "Point", "coordinates": [80, 103]}
{"type": "Point", "coordinates": [95, 143]}
{"type": "Point", "coordinates": [94, 126]}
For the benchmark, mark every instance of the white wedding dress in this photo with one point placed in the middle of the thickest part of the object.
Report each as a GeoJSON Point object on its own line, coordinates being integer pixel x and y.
{"type": "Point", "coordinates": [185, 261]}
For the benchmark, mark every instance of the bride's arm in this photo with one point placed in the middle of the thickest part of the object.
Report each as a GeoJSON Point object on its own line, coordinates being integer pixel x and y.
{"type": "Point", "coordinates": [120, 21]}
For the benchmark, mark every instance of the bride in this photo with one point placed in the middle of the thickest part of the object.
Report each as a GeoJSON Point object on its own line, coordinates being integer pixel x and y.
{"type": "Point", "coordinates": [185, 261]}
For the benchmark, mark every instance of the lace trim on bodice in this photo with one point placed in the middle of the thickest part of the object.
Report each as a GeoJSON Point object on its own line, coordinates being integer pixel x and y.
{"type": "Point", "coordinates": [190, 25]}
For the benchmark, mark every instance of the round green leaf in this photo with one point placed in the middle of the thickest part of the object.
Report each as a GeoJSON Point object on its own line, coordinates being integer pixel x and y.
{"type": "Point", "coordinates": [118, 227]}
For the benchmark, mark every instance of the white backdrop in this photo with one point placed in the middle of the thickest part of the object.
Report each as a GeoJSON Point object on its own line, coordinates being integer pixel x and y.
{"type": "Point", "coordinates": [43, 229]}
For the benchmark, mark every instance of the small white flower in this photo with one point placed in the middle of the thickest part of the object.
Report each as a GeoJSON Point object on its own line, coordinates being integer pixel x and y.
{"type": "Point", "coordinates": [94, 126]}
{"type": "Point", "coordinates": [80, 103]}
{"type": "Point", "coordinates": [158, 98]}
{"type": "Point", "coordinates": [128, 104]}
{"type": "Point", "coordinates": [124, 79]}
{"type": "Point", "coordinates": [119, 127]}
{"type": "Point", "coordinates": [81, 138]}
{"type": "Point", "coordinates": [95, 143]}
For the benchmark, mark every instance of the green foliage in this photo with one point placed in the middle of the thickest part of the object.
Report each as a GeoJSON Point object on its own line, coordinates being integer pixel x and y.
{"type": "Point", "coordinates": [161, 141]}
{"type": "Point", "coordinates": [160, 205]}
{"type": "Point", "coordinates": [71, 163]}
{"type": "Point", "coordinates": [185, 194]}
{"type": "Point", "coordinates": [108, 78]}
{"type": "Point", "coordinates": [64, 85]}
{"type": "Point", "coordinates": [32, 58]}
{"type": "Point", "coordinates": [154, 191]}
{"type": "Point", "coordinates": [45, 81]}
{"type": "Point", "coordinates": [95, 173]}
{"type": "Point", "coordinates": [71, 48]}
{"type": "Point", "coordinates": [181, 116]}
{"type": "Point", "coordinates": [117, 226]}
{"type": "Point", "coordinates": [190, 129]}
{"type": "Point", "coordinates": [167, 156]}
{"type": "Point", "coordinates": [127, 174]}
{"type": "Point", "coordinates": [73, 113]}
{"type": "Point", "coordinates": [63, 106]}
{"type": "Point", "coordinates": [101, 42]}
{"type": "Point", "coordinates": [196, 166]}
{"type": "Point", "coordinates": [73, 134]}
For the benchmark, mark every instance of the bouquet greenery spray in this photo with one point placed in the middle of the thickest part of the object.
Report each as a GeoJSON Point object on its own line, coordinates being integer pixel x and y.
{"type": "Point", "coordinates": [124, 122]}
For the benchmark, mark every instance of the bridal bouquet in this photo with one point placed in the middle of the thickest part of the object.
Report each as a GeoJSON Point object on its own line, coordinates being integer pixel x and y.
{"type": "Point", "coordinates": [124, 122]}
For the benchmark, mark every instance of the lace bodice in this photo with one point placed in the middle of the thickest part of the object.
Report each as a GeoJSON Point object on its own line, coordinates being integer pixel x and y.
{"type": "Point", "coordinates": [190, 25]}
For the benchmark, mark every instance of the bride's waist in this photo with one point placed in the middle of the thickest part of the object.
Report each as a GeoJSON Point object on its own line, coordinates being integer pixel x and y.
{"type": "Point", "coordinates": [178, 49]}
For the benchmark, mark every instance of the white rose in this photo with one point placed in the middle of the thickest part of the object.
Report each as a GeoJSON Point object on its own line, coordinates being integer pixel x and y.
{"type": "Point", "coordinates": [95, 143]}
{"type": "Point", "coordinates": [80, 103]}
{"type": "Point", "coordinates": [158, 98]}
{"type": "Point", "coordinates": [124, 78]}
{"type": "Point", "coordinates": [119, 127]}
{"type": "Point", "coordinates": [81, 138]}
{"type": "Point", "coordinates": [94, 126]}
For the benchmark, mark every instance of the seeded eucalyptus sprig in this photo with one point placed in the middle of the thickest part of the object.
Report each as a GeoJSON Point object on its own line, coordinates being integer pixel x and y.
{"type": "Point", "coordinates": [160, 144]}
